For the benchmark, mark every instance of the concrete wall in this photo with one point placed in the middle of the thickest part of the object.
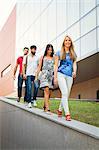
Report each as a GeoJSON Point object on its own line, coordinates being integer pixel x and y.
{"type": "Point", "coordinates": [87, 89]}
{"type": "Point", "coordinates": [0, 127]}
{"type": "Point", "coordinates": [7, 53]}
{"type": "Point", "coordinates": [22, 130]}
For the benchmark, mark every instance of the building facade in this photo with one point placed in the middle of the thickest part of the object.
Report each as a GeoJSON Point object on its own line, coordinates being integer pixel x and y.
{"type": "Point", "coordinates": [41, 22]}
{"type": "Point", "coordinates": [7, 54]}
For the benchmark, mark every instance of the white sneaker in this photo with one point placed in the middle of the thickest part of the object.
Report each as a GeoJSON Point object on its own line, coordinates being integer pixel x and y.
{"type": "Point", "coordinates": [29, 105]}
{"type": "Point", "coordinates": [34, 103]}
{"type": "Point", "coordinates": [25, 103]}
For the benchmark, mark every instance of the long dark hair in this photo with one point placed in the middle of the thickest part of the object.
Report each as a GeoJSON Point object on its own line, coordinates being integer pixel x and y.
{"type": "Point", "coordinates": [47, 48]}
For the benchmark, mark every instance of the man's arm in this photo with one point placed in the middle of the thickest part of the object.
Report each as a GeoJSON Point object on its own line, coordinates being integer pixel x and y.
{"type": "Point", "coordinates": [15, 70]}
{"type": "Point", "coordinates": [24, 64]}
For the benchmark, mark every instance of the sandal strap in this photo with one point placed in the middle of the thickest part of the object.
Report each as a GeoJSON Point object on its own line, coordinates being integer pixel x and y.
{"type": "Point", "coordinates": [68, 117]}
{"type": "Point", "coordinates": [59, 112]}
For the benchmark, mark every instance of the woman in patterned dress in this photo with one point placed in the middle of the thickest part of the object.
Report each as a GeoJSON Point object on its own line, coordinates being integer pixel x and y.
{"type": "Point", "coordinates": [46, 66]}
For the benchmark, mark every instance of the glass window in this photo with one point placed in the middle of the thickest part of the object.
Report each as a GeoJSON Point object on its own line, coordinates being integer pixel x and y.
{"type": "Point", "coordinates": [41, 51]}
{"type": "Point", "coordinates": [61, 16]}
{"type": "Point", "coordinates": [44, 4]}
{"type": "Point", "coordinates": [26, 18]}
{"type": "Point", "coordinates": [19, 24]}
{"type": "Point", "coordinates": [77, 49]}
{"type": "Point", "coordinates": [54, 45]}
{"type": "Point", "coordinates": [43, 29]}
{"type": "Point", "coordinates": [31, 13]}
{"type": "Point", "coordinates": [51, 20]}
{"type": "Point", "coordinates": [20, 9]}
{"type": "Point", "coordinates": [59, 41]}
{"type": "Point", "coordinates": [97, 16]}
{"type": "Point", "coordinates": [86, 6]}
{"type": "Point", "coordinates": [98, 38]}
{"type": "Point", "coordinates": [88, 22]}
{"type": "Point", "coordinates": [31, 35]}
{"type": "Point", "coordinates": [37, 33]}
{"type": "Point", "coordinates": [25, 41]}
{"type": "Point", "coordinates": [74, 31]}
{"type": "Point", "coordinates": [88, 44]}
{"type": "Point", "coordinates": [36, 8]}
{"type": "Point", "coordinates": [97, 1]}
{"type": "Point", "coordinates": [72, 11]}
{"type": "Point", "coordinates": [28, 24]}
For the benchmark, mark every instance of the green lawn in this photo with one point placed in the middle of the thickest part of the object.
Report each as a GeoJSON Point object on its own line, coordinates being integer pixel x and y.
{"type": "Point", "coordinates": [87, 112]}
{"type": "Point", "coordinates": [83, 111]}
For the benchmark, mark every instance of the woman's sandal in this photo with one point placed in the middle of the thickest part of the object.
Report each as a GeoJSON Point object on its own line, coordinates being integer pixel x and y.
{"type": "Point", "coordinates": [44, 107]}
{"type": "Point", "coordinates": [46, 110]}
{"type": "Point", "coordinates": [68, 118]}
{"type": "Point", "coordinates": [59, 113]}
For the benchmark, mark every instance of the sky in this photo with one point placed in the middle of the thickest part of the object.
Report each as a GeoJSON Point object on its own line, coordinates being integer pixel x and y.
{"type": "Point", "coordinates": [6, 7]}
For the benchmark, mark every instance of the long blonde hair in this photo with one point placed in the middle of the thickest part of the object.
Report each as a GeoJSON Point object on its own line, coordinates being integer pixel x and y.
{"type": "Point", "coordinates": [73, 55]}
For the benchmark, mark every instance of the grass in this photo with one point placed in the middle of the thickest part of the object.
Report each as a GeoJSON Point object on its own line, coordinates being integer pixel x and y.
{"type": "Point", "coordinates": [83, 111]}
{"type": "Point", "coordinates": [87, 112]}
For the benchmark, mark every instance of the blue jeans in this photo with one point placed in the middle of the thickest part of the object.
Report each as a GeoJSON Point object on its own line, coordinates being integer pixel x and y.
{"type": "Point", "coordinates": [36, 86]}
{"type": "Point", "coordinates": [25, 96]}
{"type": "Point", "coordinates": [20, 82]}
{"type": "Point", "coordinates": [29, 81]}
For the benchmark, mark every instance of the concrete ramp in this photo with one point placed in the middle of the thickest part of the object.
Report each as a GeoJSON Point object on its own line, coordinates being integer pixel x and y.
{"type": "Point", "coordinates": [22, 128]}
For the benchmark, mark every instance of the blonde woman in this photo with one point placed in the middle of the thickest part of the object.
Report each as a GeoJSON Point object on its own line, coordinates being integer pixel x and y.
{"type": "Point", "coordinates": [64, 73]}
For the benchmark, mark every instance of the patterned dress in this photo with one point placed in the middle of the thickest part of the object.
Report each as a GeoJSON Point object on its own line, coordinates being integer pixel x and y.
{"type": "Point", "coordinates": [46, 75]}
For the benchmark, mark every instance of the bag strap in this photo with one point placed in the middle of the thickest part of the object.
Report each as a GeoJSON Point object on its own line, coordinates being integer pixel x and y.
{"type": "Point", "coordinates": [26, 64]}
{"type": "Point", "coordinates": [42, 63]}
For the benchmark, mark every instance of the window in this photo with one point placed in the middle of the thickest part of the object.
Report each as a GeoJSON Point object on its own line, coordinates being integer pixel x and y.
{"type": "Point", "coordinates": [86, 6]}
{"type": "Point", "coordinates": [43, 29]}
{"type": "Point", "coordinates": [44, 4]}
{"type": "Point", "coordinates": [61, 16]}
{"type": "Point", "coordinates": [97, 1]}
{"type": "Point", "coordinates": [72, 11]}
{"type": "Point", "coordinates": [35, 7]}
{"type": "Point", "coordinates": [79, 96]}
{"type": "Point", "coordinates": [37, 32]}
{"type": "Point", "coordinates": [59, 41]}
{"type": "Point", "coordinates": [74, 31]}
{"type": "Point", "coordinates": [97, 94]}
{"type": "Point", "coordinates": [88, 44]}
{"type": "Point", "coordinates": [77, 49]}
{"type": "Point", "coordinates": [51, 21]}
{"type": "Point", "coordinates": [6, 70]}
{"type": "Point", "coordinates": [88, 22]}
{"type": "Point", "coordinates": [97, 16]}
